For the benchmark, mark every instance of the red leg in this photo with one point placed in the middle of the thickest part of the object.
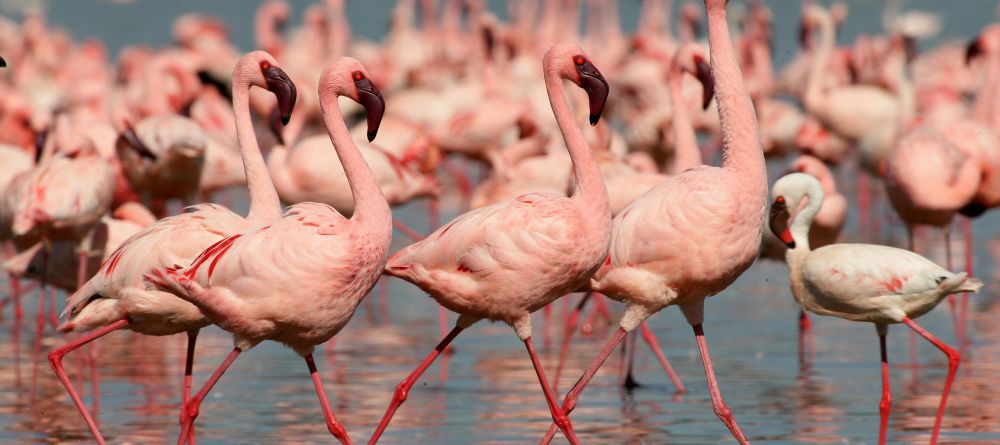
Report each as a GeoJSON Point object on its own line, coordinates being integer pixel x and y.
{"type": "Point", "coordinates": [332, 424]}
{"type": "Point", "coordinates": [443, 327]}
{"type": "Point", "coordinates": [647, 334]}
{"type": "Point", "coordinates": [721, 409]}
{"type": "Point", "coordinates": [55, 361]}
{"type": "Point", "coordinates": [192, 336]}
{"type": "Point", "coordinates": [410, 233]}
{"type": "Point", "coordinates": [571, 322]}
{"type": "Point", "coordinates": [864, 201]}
{"type": "Point", "coordinates": [886, 404]}
{"type": "Point", "coordinates": [558, 414]}
{"type": "Point", "coordinates": [404, 387]}
{"type": "Point", "coordinates": [805, 340]}
{"type": "Point", "coordinates": [630, 346]}
{"type": "Point", "coordinates": [569, 403]}
{"type": "Point", "coordinates": [953, 360]}
{"type": "Point", "coordinates": [600, 309]}
{"type": "Point", "coordinates": [189, 412]}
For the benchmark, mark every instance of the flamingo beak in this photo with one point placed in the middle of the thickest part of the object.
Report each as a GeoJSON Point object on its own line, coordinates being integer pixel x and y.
{"type": "Point", "coordinates": [779, 222]}
{"type": "Point", "coordinates": [275, 123]}
{"type": "Point", "coordinates": [596, 87]}
{"type": "Point", "coordinates": [3, 63]}
{"type": "Point", "coordinates": [975, 49]}
{"type": "Point", "coordinates": [704, 74]}
{"type": "Point", "coordinates": [370, 98]}
{"type": "Point", "coordinates": [804, 35]}
{"type": "Point", "coordinates": [40, 137]}
{"type": "Point", "coordinates": [136, 144]}
{"type": "Point", "coordinates": [283, 89]}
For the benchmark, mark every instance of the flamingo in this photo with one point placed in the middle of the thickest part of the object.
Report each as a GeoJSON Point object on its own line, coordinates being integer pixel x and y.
{"type": "Point", "coordinates": [117, 297]}
{"type": "Point", "coordinates": [503, 262]}
{"type": "Point", "coordinates": [313, 256]}
{"type": "Point", "coordinates": [693, 235]}
{"type": "Point", "coordinates": [863, 282]}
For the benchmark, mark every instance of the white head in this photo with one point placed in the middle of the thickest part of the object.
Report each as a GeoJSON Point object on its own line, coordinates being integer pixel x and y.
{"type": "Point", "coordinates": [787, 221]}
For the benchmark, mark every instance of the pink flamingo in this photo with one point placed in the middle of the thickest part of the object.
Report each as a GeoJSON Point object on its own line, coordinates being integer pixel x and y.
{"type": "Point", "coordinates": [692, 236]}
{"type": "Point", "coordinates": [505, 261]}
{"type": "Point", "coordinates": [863, 282]}
{"type": "Point", "coordinates": [339, 259]}
{"type": "Point", "coordinates": [117, 297]}
{"type": "Point", "coordinates": [624, 189]}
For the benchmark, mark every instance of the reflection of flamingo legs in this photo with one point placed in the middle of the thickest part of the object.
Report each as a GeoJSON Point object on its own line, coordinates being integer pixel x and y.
{"type": "Point", "coordinates": [805, 341]}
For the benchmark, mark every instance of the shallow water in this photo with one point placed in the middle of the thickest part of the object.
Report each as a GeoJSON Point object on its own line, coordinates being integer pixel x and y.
{"type": "Point", "coordinates": [489, 394]}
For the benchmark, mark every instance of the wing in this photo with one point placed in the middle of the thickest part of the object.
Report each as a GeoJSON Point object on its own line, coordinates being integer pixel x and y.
{"type": "Point", "coordinates": [850, 271]}
{"type": "Point", "coordinates": [508, 235]}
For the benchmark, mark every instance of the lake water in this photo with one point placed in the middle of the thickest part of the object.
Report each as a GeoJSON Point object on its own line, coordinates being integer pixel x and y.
{"type": "Point", "coordinates": [489, 394]}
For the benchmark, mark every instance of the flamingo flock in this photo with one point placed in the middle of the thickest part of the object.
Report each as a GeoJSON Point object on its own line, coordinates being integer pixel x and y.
{"type": "Point", "coordinates": [593, 166]}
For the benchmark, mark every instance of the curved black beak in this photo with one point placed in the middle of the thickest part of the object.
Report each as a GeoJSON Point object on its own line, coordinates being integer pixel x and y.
{"type": "Point", "coordinates": [704, 74]}
{"type": "Point", "coordinates": [222, 87]}
{"type": "Point", "coordinates": [283, 88]}
{"type": "Point", "coordinates": [275, 123]}
{"type": "Point", "coordinates": [370, 98]}
{"type": "Point", "coordinates": [779, 222]}
{"type": "Point", "coordinates": [596, 87]}
{"type": "Point", "coordinates": [3, 63]}
{"type": "Point", "coordinates": [136, 144]}
{"type": "Point", "coordinates": [803, 35]}
{"type": "Point", "coordinates": [975, 49]}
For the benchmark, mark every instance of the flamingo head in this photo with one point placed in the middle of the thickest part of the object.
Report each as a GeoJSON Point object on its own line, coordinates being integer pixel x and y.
{"type": "Point", "coordinates": [259, 69]}
{"type": "Point", "coordinates": [693, 59]}
{"type": "Point", "coordinates": [987, 42]}
{"type": "Point", "coordinates": [569, 62]}
{"type": "Point", "coordinates": [788, 194]}
{"type": "Point", "coordinates": [348, 77]}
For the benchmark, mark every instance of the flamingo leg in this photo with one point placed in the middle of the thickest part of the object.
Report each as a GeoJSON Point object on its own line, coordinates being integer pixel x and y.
{"type": "Point", "coordinates": [885, 405]}
{"type": "Point", "coordinates": [55, 361]}
{"type": "Point", "coordinates": [805, 340]}
{"type": "Point", "coordinates": [558, 414]}
{"type": "Point", "coordinates": [192, 336]}
{"type": "Point", "coordinates": [569, 402]}
{"type": "Point", "coordinates": [953, 360]}
{"type": "Point", "coordinates": [721, 410]}
{"type": "Point", "coordinates": [336, 429]}
{"type": "Point", "coordinates": [571, 322]}
{"type": "Point", "coordinates": [647, 334]}
{"type": "Point", "coordinates": [191, 409]}
{"type": "Point", "coordinates": [630, 382]}
{"type": "Point", "coordinates": [410, 233]}
{"type": "Point", "coordinates": [404, 387]}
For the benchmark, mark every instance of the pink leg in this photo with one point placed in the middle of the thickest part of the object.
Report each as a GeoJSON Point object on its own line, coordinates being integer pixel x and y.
{"type": "Point", "coordinates": [630, 382]}
{"type": "Point", "coordinates": [721, 409]}
{"type": "Point", "coordinates": [953, 360]}
{"type": "Point", "coordinates": [864, 201]}
{"type": "Point", "coordinates": [600, 309]}
{"type": "Point", "coordinates": [190, 410]}
{"type": "Point", "coordinates": [805, 340]}
{"type": "Point", "coordinates": [569, 403]}
{"type": "Point", "coordinates": [558, 414]}
{"type": "Point", "coordinates": [886, 404]}
{"type": "Point", "coordinates": [407, 230]}
{"type": "Point", "coordinates": [547, 316]}
{"type": "Point", "coordinates": [403, 389]}
{"type": "Point", "coordinates": [647, 334]}
{"type": "Point", "coordinates": [574, 317]}
{"type": "Point", "coordinates": [332, 424]}
{"type": "Point", "coordinates": [192, 336]}
{"type": "Point", "coordinates": [55, 360]}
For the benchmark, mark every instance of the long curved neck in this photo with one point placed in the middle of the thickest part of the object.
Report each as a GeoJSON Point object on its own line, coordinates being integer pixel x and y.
{"type": "Point", "coordinates": [369, 202]}
{"type": "Point", "coordinates": [742, 151]}
{"type": "Point", "coordinates": [589, 183]}
{"type": "Point", "coordinates": [985, 108]}
{"type": "Point", "coordinates": [804, 219]}
{"type": "Point", "coordinates": [820, 60]}
{"type": "Point", "coordinates": [686, 152]}
{"type": "Point", "coordinates": [264, 203]}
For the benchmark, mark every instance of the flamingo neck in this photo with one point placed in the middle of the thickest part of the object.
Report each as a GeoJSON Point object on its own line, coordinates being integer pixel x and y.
{"type": "Point", "coordinates": [268, 38]}
{"type": "Point", "coordinates": [741, 147]}
{"type": "Point", "coordinates": [821, 59]}
{"type": "Point", "coordinates": [984, 109]}
{"type": "Point", "coordinates": [369, 202]}
{"type": "Point", "coordinates": [589, 182]}
{"type": "Point", "coordinates": [686, 152]}
{"type": "Point", "coordinates": [264, 203]}
{"type": "Point", "coordinates": [803, 219]}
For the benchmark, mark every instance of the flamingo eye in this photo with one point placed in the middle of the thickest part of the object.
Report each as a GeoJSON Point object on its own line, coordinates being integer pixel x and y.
{"type": "Point", "coordinates": [264, 65]}
{"type": "Point", "coordinates": [780, 200]}
{"type": "Point", "coordinates": [358, 75]}
{"type": "Point", "coordinates": [579, 60]}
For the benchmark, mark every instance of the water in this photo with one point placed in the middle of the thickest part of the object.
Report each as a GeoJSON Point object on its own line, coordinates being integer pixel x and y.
{"type": "Point", "coordinates": [491, 395]}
